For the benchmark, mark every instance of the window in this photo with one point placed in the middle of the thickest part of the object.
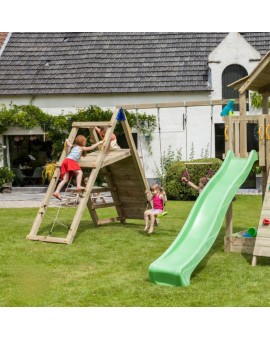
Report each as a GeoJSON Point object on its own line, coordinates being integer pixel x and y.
{"type": "Point", "coordinates": [231, 74]}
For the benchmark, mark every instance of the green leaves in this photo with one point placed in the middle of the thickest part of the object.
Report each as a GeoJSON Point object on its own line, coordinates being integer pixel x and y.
{"type": "Point", "coordinates": [6, 176]}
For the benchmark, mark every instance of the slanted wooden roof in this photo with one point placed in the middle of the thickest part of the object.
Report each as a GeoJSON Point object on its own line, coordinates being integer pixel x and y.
{"type": "Point", "coordinates": [258, 80]}
{"type": "Point", "coordinates": [111, 62]}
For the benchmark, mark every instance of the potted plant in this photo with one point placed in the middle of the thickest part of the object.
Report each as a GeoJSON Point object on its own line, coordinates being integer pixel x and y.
{"type": "Point", "coordinates": [257, 170]}
{"type": "Point", "coordinates": [6, 178]}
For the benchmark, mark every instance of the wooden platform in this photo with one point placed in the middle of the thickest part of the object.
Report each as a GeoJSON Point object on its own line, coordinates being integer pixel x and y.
{"type": "Point", "coordinates": [89, 161]}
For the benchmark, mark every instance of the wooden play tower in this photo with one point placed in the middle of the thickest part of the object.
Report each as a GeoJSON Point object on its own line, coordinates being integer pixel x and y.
{"type": "Point", "coordinates": [124, 176]}
{"type": "Point", "coordinates": [236, 140]}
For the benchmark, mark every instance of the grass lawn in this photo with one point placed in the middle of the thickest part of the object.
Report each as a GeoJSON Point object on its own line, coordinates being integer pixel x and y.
{"type": "Point", "coordinates": [108, 265]}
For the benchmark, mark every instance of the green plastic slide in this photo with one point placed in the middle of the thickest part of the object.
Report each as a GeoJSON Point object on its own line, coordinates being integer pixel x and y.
{"type": "Point", "coordinates": [203, 224]}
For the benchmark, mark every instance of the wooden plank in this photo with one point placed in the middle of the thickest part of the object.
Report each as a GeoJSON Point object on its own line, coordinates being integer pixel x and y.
{"type": "Point", "coordinates": [105, 205]}
{"type": "Point", "coordinates": [263, 232]}
{"type": "Point", "coordinates": [198, 163]}
{"type": "Point", "coordinates": [240, 249]}
{"type": "Point", "coordinates": [262, 241]}
{"type": "Point", "coordinates": [243, 126]}
{"type": "Point", "coordinates": [47, 239]}
{"type": "Point", "coordinates": [102, 189]}
{"type": "Point", "coordinates": [92, 212]}
{"type": "Point", "coordinates": [262, 141]}
{"type": "Point", "coordinates": [245, 118]}
{"type": "Point", "coordinates": [237, 139]}
{"type": "Point", "coordinates": [262, 251]}
{"type": "Point", "coordinates": [177, 104]}
{"type": "Point", "coordinates": [109, 220]}
{"type": "Point", "coordinates": [89, 161]}
{"type": "Point", "coordinates": [88, 125]}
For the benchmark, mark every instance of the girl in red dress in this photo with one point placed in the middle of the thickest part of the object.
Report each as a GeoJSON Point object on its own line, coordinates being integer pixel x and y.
{"type": "Point", "coordinates": [70, 164]}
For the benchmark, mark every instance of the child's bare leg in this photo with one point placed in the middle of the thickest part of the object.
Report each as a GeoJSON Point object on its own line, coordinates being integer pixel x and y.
{"type": "Point", "coordinates": [152, 218]}
{"type": "Point", "coordinates": [60, 186]}
{"type": "Point", "coordinates": [146, 218]}
{"type": "Point", "coordinates": [79, 175]}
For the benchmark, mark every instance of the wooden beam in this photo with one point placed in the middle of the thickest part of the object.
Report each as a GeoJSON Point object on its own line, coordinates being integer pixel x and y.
{"type": "Point", "coordinates": [243, 125]}
{"type": "Point", "coordinates": [109, 220]}
{"type": "Point", "coordinates": [177, 104]}
{"type": "Point", "coordinates": [47, 239]}
{"type": "Point", "coordinates": [255, 73]}
{"type": "Point", "coordinates": [88, 125]}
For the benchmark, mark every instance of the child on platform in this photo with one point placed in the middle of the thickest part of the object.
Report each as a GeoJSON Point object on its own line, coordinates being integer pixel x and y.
{"type": "Point", "coordinates": [113, 143]}
{"type": "Point", "coordinates": [70, 164]}
{"type": "Point", "coordinates": [156, 194]}
{"type": "Point", "coordinates": [202, 183]}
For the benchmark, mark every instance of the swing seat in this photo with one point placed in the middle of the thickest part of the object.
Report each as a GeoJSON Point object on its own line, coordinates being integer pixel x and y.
{"type": "Point", "coordinates": [164, 213]}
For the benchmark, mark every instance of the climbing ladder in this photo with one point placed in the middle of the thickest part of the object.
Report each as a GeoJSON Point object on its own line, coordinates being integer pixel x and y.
{"type": "Point", "coordinates": [262, 241]}
{"type": "Point", "coordinates": [122, 170]}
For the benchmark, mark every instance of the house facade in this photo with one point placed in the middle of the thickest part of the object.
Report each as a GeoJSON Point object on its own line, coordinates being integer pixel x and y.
{"type": "Point", "coordinates": [61, 72]}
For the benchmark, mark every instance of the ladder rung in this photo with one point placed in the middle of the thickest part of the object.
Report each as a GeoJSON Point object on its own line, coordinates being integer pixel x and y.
{"type": "Point", "coordinates": [90, 124]}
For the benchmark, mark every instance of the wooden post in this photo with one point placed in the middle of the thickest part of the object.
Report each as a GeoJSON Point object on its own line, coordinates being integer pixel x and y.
{"type": "Point", "coordinates": [265, 111]}
{"type": "Point", "coordinates": [243, 125]}
{"type": "Point", "coordinates": [229, 224]}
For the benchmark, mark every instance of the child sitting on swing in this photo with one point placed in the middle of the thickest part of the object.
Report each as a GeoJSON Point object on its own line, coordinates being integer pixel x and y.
{"type": "Point", "coordinates": [158, 195]}
{"type": "Point", "coordinates": [70, 164]}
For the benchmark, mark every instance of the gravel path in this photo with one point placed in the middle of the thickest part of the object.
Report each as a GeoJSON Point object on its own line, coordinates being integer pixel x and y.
{"type": "Point", "coordinates": [21, 200]}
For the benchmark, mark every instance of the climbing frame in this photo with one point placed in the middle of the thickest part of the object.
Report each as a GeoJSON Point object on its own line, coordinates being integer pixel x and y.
{"type": "Point", "coordinates": [122, 170]}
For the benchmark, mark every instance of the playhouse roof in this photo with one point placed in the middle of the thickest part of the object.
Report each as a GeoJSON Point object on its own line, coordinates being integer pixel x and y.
{"type": "Point", "coordinates": [257, 80]}
{"type": "Point", "coordinates": [102, 63]}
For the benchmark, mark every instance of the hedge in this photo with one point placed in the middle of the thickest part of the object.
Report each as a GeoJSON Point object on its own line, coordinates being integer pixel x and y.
{"type": "Point", "coordinates": [176, 189]}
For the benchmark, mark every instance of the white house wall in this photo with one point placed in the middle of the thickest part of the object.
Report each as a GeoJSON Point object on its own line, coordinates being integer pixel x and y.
{"type": "Point", "coordinates": [171, 120]}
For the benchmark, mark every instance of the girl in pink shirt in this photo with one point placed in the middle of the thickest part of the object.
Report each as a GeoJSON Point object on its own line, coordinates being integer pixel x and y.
{"type": "Point", "coordinates": [157, 196]}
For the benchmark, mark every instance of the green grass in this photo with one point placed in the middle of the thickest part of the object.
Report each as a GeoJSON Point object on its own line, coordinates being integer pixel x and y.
{"type": "Point", "coordinates": [108, 265]}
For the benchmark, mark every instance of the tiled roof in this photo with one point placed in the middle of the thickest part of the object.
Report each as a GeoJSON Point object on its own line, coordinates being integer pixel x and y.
{"type": "Point", "coordinates": [74, 63]}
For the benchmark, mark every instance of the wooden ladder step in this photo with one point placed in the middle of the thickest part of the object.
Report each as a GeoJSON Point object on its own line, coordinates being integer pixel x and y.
{"type": "Point", "coordinates": [47, 239]}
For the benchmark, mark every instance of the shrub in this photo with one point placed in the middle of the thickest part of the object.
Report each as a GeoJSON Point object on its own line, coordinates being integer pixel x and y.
{"type": "Point", "coordinates": [176, 189]}
{"type": "Point", "coordinates": [6, 175]}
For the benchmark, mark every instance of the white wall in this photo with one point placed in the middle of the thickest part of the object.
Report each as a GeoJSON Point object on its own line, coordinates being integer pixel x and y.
{"type": "Point", "coordinates": [171, 120]}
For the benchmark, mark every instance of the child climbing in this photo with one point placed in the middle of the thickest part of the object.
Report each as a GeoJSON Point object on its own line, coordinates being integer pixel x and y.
{"type": "Point", "coordinates": [70, 164]}
{"type": "Point", "coordinates": [157, 195]}
{"type": "Point", "coordinates": [202, 183]}
{"type": "Point", "coordinates": [113, 143]}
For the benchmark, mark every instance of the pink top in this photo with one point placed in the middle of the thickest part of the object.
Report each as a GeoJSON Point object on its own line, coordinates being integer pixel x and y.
{"type": "Point", "coordinates": [157, 202]}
